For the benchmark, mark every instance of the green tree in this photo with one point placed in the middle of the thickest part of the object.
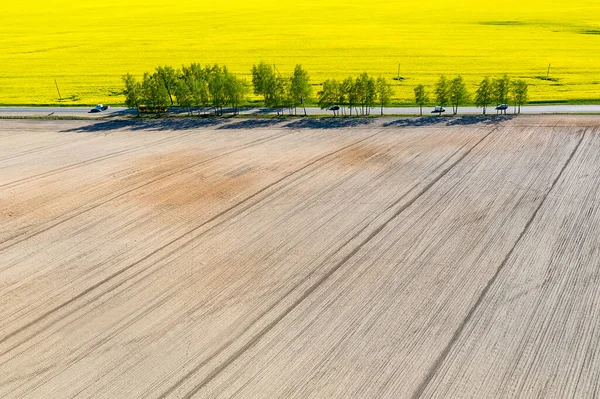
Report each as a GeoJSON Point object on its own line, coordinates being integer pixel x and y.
{"type": "Point", "coordinates": [366, 91]}
{"type": "Point", "coordinates": [196, 79]}
{"type": "Point", "coordinates": [442, 91]}
{"type": "Point", "coordinates": [168, 76]}
{"type": "Point", "coordinates": [421, 97]}
{"type": "Point", "coordinates": [300, 88]}
{"type": "Point", "coordinates": [216, 88]}
{"type": "Point", "coordinates": [154, 92]}
{"type": "Point", "coordinates": [282, 97]}
{"type": "Point", "coordinates": [459, 94]}
{"type": "Point", "coordinates": [329, 94]}
{"type": "Point", "coordinates": [132, 91]}
{"type": "Point", "coordinates": [183, 93]}
{"type": "Point", "coordinates": [264, 82]}
{"type": "Point", "coordinates": [384, 92]}
{"type": "Point", "coordinates": [500, 90]}
{"type": "Point", "coordinates": [483, 95]}
{"type": "Point", "coordinates": [348, 95]}
{"type": "Point", "coordinates": [235, 91]}
{"type": "Point", "coordinates": [519, 93]}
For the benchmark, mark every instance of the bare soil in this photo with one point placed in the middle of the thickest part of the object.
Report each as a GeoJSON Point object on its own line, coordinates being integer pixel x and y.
{"type": "Point", "coordinates": [451, 257]}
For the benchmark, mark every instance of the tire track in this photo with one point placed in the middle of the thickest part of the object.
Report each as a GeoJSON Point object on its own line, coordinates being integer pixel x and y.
{"type": "Point", "coordinates": [128, 191]}
{"type": "Point", "coordinates": [38, 149]}
{"type": "Point", "coordinates": [30, 152]}
{"type": "Point", "coordinates": [467, 319]}
{"type": "Point", "coordinates": [18, 182]}
{"type": "Point", "coordinates": [313, 287]}
{"type": "Point", "coordinates": [231, 210]}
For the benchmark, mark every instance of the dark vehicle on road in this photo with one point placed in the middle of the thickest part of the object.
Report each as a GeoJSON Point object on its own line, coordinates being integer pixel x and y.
{"type": "Point", "coordinates": [438, 110]}
{"type": "Point", "coordinates": [99, 108]}
{"type": "Point", "coordinates": [502, 108]}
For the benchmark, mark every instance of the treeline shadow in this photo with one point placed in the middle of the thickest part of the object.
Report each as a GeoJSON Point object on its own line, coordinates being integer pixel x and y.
{"type": "Point", "coordinates": [328, 123]}
{"type": "Point", "coordinates": [251, 124]}
{"type": "Point", "coordinates": [158, 124]}
{"type": "Point", "coordinates": [450, 120]}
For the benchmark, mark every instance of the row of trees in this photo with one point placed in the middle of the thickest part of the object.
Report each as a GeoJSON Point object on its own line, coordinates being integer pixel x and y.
{"type": "Point", "coordinates": [191, 87]}
{"type": "Point", "coordinates": [196, 87]}
{"type": "Point", "coordinates": [281, 92]}
{"type": "Point", "coordinates": [489, 91]}
{"type": "Point", "coordinates": [361, 94]}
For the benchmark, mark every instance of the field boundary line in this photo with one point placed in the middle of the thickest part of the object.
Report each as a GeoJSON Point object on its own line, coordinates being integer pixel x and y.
{"type": "Point", "coordinates": [312, 288]}
{"type": "Point", "coordinates": [469, 316]}
{"type": "Point", "coordinates": [161, 248]}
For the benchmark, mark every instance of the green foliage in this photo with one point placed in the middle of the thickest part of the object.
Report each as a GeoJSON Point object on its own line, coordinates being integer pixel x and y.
{"type": "Point", "coordinates": [384, 92]}
{"type": "Point", "coordinates": [264, 82]}
{"type": "Point", "coordinates": [216, 87]}
{"type": "Point", "coordinates": [520, 93]}
{"type": "Point", "coordinates": [500, 89]}
{"type": "Point", "coordinates": [132, 91]}
{"type": "Point", "coordinates": [281, 95]}
{"type": "Point", "coordinates": [183, 93]}
{"type": "Point", "coordinates": [154, 92]}
{"type": "Point", "coordinates": [168, 76]}
{"type": "Point", "coordinates": [458, 93]}
{"type": "Point", "coordinates": [360, 94]}
{"type": "Point", "coordinates": [483, 95]}
{"type": "Point", "coordinates": [196, 80]}
{"type": "Point", "coordinates": [235, 90]}
{"type": "Point", "coordinates": [442, 91]}
{"type": "Point", "coordinates": [421, 97]}
{"type": "Point", "coordinates": [329, 94]}
{"type": "Point", "coordinates": [300, 88]}
{"type": "Point", "coordinates": [366, 92]}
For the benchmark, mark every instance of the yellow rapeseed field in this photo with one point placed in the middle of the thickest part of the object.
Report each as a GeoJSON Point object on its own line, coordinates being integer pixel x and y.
{"type": "Point", "coordinates": [87, 45]}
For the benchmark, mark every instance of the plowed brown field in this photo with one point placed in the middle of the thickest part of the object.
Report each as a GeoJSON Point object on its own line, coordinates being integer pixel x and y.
{"type": "Point", "coordinates": [389, 259]}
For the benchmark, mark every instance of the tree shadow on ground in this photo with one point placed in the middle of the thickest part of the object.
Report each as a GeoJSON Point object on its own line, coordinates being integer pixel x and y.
{"type": "Point", "coordinates": [251, 124]}
{"type": "Point", "coordinates": [157, 124]}
{"type": "Point", "coordinates": [328, 123]}
{"type": "Point", "coordinates": [450, 120]}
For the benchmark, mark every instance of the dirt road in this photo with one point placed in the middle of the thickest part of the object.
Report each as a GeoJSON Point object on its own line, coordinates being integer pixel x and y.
{"type": "Point", "coordinates": [258, 258]}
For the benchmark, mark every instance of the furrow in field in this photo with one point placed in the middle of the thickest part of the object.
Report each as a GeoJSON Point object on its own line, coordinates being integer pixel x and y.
{"type": "Point", "coordinates": [376, 326]}
{"type": "Point", "coordinates": [217, 210]}
{"type": "Point", "coordinates": [326, 270]}
{"type": "Point", "coordinates": [535, 332]}
{"type": "Point", "coordinates": [103, 193]}
{"type": "Point", "coordinates": [210, 288]}
{"type": "Point", "coordinates": [86, 162]}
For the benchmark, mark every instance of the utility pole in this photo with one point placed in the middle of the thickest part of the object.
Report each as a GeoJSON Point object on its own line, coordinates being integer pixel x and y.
{"type": "Point", "coordinates": [398, 77]}
{"type": "Point", "coordinates": [548, 74]}
{"type": "Point", "coordinates": [59, 96]}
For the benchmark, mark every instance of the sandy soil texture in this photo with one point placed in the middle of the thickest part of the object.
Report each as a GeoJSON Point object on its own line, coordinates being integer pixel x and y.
{"type": "Point", "coordinates": [434, 258]}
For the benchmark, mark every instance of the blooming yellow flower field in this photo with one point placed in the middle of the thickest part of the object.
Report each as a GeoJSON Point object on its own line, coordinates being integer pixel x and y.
{"type": "Point", "coordinates": [87, 45]}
